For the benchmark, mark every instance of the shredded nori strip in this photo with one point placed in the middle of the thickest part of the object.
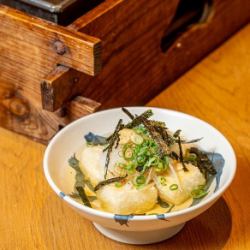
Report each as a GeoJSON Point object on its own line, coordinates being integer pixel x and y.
{"type": "Point", "coordinates": [83, 196]}
{"type": "Point", "coordinates": [75, 195]}
{"type": "Point", "coordinates": [158, 124]}
{"type": "Point", "coordinates": [162, 203]}
{"type": "Point", "coordinates": [162, 147]}
{"type": "Point", "coordinates": [109, 181]}
{"type": "Point", "coordinates": [181, 154]}
{"type": "Point", "coordinates": [203, 162]}
{"type": "Point", "coordinates": [169, 140]}
{"type": "Point", "coordinates": [177, 133]}
{"type": "Point", "coordinates": [117, 142]}
{"type": "Point", "coordinates": [131, 116]}
{"type": "Point", "coordinates": [151, 126]}
{"type": "Point", "coordinates": [81, 180]}
{"type": "Point", "coordinates": [173, 155]}
{"type": "Point", "coordinates": [191, 141]}
{"type": "Point", "coordinates": [74, 163]}
{"type": "Point", "coordinates": [112, 141]}
{"type": "Point", "coordinates": [138, 119]}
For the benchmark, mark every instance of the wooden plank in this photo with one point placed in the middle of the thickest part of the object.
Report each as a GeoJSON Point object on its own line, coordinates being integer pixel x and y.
{"type": "Point", "coordinates": [57, 85]}
{"type": "Point", "coordinates": [74, 49]}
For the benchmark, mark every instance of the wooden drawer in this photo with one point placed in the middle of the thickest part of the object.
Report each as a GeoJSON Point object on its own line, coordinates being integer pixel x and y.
{"type": "Point", "coordinates": [122, 52]}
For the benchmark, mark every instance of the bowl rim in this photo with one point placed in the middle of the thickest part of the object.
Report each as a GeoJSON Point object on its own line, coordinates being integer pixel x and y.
{"type": "Point", "coordinates": [108, 215]}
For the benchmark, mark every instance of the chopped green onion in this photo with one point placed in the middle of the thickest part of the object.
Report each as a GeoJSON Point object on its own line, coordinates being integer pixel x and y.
{"type": "Point", "coordinates": [128, 153]}
{"type": "Point", "coordinates": [141, 159]}
{"type": "Point", "coordinates": [166, 160]}
{"type": "Point", "coordinates": [141, 130]}
{"type": "Point", "coordinates": [118, 184]}
{"type": "Point", "coordinates": [173, 187]}
{"type": "Point", "coordinates": [199, 192]}
{"type": "Point", "coordinates": [163, 180]}
{"type": "Point", "coordinates": [162, 165]}
{"type": "Point", "coordinates": [152, 161]}
{"type": "Point", "coordinates": [130, 167]}
{"type": "Point", "coordinates": [159, 167]}
{"type": "Point", "coordinates": [140, 180]}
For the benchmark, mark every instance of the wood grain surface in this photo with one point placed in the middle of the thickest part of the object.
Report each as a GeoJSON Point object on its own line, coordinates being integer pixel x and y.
{"type": "Point", "coordinates": [52, 42]}
{"type": "Point", "coordinates": [135, 37]}
{"type": "Point", "coordinates": [135, 68]}
{"type": "Point", "coordinates": [30, 48]}
{"type": "Point", "coordinates": [217, 90]}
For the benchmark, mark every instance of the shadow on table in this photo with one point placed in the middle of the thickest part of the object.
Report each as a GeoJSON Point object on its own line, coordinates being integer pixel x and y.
{"type": "Point", "coordinates": [209, 230]}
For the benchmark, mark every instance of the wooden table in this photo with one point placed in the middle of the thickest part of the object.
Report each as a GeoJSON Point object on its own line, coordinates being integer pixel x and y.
{"type": "Point", "coordinates": [217, 90]}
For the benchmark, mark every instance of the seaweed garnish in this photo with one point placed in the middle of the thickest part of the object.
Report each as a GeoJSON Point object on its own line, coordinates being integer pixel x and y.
{"type": "Point", "coordinates": [177, 134]}
{"type": "Point", "coordinates": [74, 163]}
{"type": "Point", "coordinates": [181, 153]}
{"type": "Point", "coordinates": [109, 181]}
{"type": "Point", "coordinates": [155, 129]}
{"type": "Point", "coordinates": [139, 119]}
{"type": "Point", "coordinates": [191, 141]}
{"type": "Point", "coordinates": [162, 203]}
{"type": "Point", "coordinates": [162, 146]}
{"type": "Point", "coordinates": [131, 116]}
{"type": "Point", "coordinates": [217, 161]}
{"type": "Point", "coordinates": [83, 196]}
{"type": "Point", "coordinates": [203, 162]}
{"type": "Point", "coordinates": [169, 140]}
{"type": "Point", "coordinates": [206, 167]}
{"type": "Point", "coordinates": [75, 195]}
{"type": "Point", "coordinates": [81, 182]}
{"type": "Point", "coordinates": [112, 140]}
{"type": "Point", "coordinates": [173, 155]}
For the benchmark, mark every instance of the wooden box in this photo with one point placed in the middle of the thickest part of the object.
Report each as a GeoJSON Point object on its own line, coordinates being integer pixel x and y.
{"type": "Point", "coordinates": [122, 52]}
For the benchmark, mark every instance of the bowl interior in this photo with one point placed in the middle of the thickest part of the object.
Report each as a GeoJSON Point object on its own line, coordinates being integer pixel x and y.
{"type": "Point", "coordinates": [71, 138]}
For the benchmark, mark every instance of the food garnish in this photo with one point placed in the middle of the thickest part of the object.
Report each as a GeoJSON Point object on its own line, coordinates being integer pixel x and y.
{"type": "Point", "coordinates": [147, 168]}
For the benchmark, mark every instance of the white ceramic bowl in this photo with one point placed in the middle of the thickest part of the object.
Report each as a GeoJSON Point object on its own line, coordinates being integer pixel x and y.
{"type": "Point", "coordinates": [134, 229]}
